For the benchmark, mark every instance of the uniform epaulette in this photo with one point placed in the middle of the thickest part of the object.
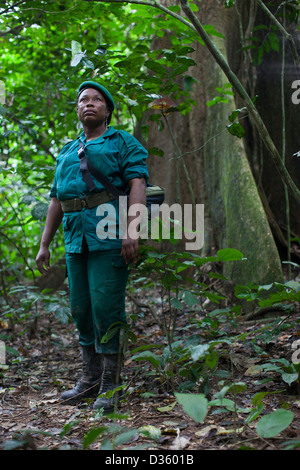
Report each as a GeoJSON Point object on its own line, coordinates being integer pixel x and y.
{"type": "Point", "coordinates": [68, 143]}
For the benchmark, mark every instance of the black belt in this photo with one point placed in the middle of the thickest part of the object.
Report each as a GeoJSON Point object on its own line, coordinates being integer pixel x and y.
{"type": "Point", "coordinates": [90, 201]}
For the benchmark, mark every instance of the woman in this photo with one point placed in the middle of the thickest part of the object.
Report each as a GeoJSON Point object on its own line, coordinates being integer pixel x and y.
{"type": "Point", "coordinates": [97, 266]}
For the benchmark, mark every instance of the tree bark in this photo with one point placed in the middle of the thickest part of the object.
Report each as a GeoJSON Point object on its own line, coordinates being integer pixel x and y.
{"type": "Point", "coordinates": [219, 164]}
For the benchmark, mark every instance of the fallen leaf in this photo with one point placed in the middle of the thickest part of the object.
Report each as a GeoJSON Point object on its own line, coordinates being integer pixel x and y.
{"type": "Point", "coordinates": [253, 370]}
{"type": "Point", "coordinates": [180, 443]}
{"type": "Point", "coordinates": [164, 409]}
{"type": "Point", "coordinates": [205, 431]}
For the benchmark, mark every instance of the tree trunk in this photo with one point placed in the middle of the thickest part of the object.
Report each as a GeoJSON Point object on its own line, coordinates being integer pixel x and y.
{"type": "Point", "coordinates": [220, 165]}
{"type": "Point", "coordinates": [237, 216]}
{"type": "Point", "coordinates": [264, 82]}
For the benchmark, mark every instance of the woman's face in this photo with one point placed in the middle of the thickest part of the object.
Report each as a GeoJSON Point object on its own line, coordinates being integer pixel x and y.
{"type": "Point", "coordinates": [92, 108]}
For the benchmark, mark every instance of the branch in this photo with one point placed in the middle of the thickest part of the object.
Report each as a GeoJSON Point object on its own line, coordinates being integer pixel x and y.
{"type": "Point", "coordinates": [197, 27]}
{"type": "Point", "coordinates": [281, 28]}
{"type": "Point", "coordinates": [152, 4]}
{"type": "Point", "coordinates": [11, 7]}
{"type": "Point", "coordinates": [15, 31]}
{"type": "Point", "coordinates": [264, 134]}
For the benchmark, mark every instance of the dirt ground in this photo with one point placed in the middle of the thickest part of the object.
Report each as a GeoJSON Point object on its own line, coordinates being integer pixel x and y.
{"type": "Point", "coordinates": [149, 416]}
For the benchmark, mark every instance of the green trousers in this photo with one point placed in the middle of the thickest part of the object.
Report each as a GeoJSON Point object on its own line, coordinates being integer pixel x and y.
{"type": "Point", "coordinates": [97, 282]}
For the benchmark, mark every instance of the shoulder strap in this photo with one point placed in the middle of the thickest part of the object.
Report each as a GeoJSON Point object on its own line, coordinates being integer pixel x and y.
{"type": "Point", "coordinates": [87, 168]}
{"type": "Point", "coordinates": [84, 168]}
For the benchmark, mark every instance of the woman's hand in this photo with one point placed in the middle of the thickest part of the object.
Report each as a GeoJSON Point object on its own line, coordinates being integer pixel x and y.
{"type": "Point", "coordinates": [53, 221]}
{"type": "Point", "coordinates": [130, 250]}
{"type": "Point", "coordinates": [43, 260]}
{"type": "Point", "coordinates": [130, 246]}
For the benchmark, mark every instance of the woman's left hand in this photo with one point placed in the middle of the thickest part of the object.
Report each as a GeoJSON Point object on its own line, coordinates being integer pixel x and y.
{"type": "Point", "coordinates": [130, 246]}
{"type": "Point", "coordinates": [130, 250]}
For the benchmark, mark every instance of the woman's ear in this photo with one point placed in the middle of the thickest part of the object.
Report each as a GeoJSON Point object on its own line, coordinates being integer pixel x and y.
{"type": "Point", "coordinates": [108, 115]}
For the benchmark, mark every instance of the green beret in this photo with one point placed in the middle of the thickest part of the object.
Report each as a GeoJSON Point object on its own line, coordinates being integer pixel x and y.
{"type": "Point", "coordinates": [100, 88]}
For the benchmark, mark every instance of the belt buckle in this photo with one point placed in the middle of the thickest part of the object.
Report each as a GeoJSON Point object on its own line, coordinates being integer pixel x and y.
{"type": "Point", "coordinates": [83, 202]}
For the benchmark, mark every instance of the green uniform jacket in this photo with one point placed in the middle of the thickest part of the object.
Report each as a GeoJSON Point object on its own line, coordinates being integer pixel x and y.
{"type": "Point", "coordinates": [117, 155]}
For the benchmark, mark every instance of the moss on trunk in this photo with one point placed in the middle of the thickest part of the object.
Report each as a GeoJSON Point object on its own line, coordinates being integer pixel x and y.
{"type": "Point", "coordinates": [236, 212]}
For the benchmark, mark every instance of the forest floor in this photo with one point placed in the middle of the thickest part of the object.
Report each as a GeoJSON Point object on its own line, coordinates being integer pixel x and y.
{"type": "Point", "coordinates": [49, 362]}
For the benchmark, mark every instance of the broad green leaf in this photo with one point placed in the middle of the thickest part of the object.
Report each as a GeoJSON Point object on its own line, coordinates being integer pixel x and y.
{"type": "Point", "coordinates": [193, 405]}
{"type": "Point", "coordinates": [77, 59]}
{"type": "Point", "coordinates": [190, 299]}
{"type": "Point", "coordinates": [254, 413]}
{"type": "Point", "coordinates": [151, 432]}
{"type": "Point", "coordinates": [125, 437]}
{"type": "Point", "coordinates": [229, 405]}
{"type": "Point", "coordinates": [211, 29]}
{"type": "Point", "coordinates": [258, 397]}
{"type": "Point", "coordinates": [156, 151]}
{"type": "Point", "coordinates": [63, 314]}
{"type": "Point", "coordinates": [13, 351]}
{"type": "Point", "coordinates": [211, 360]}
{"type": "Point", "coordinates": [290, 378]}
{"type": "Point", "coordinates": [236, 129]}
{"type": "Point", "coordinates": [28, 199]}
{"type": "Point", "coordinates": [149, 356]}
{"type": "Point", "coordinates": [185, 50]}
{"type": "Point", "coordinates": [293, 285]}
{"type": "Point", "coordinates": [199, 351]}
{"type": "Point", "coordinates": [75, 48]}
{"type": "Point", "coordinates": [237, 387]}
{"type": "Point", "coordinates": [156, 67]}
{"type": "Point", "coordinates": [229, 254]}
{"type": "Point", "coordinates": [39, 211]}
{"type": "Point", "coordinates": [235, 114]}
{"type": "Point", "coordinates": [179, 70]}
{"type": "Point", "coordinates": [274, 41]}
{"type": "Point", "coordinates": [273, 423]}
{"type": "Point", "coordinates": [92, 435]}
{"type": "Point", "coordinates": [177, 304]}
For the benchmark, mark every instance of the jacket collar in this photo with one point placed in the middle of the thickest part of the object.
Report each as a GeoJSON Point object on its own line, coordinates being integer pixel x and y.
{"type": "Point", "coordinates": [109, 132]}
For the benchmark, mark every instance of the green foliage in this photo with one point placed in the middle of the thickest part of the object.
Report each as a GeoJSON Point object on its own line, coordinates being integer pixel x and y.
{"type": "Point", "coordinates": [273, 423]}
{"type": "Point", "coordinates": [183, 362]}
{"type": "Point", "coordinates": [46, 53]}
{"type": "Point", "coordinates": [194, 405]}
{"type": "Point", "coordinates": [229, 3]}
{"type": "Point", "coordinates": [263, 40]}
{"type": "Point", "coordinates": [268, 295]}
{"type": "Point", "coordinates": [289, 372]}
{"type": "Point", "coordinates": [224, 93]}
{"type": "Point", "coordinates": [44, 58]}
{"type": "Point", "coordinates": [270, 425]}
{"type": "Point", "coordinates": [115, 435]}
{"type": "Point", "coordinates": [187, 363]}
{"type": "Point", "coordinates": [236, 128]}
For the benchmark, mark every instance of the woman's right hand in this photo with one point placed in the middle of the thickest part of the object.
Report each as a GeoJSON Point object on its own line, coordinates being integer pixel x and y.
{"type": "Point", "coordinates": [43, 260]}
{"type": "Point", "coordinates": [53, 221]}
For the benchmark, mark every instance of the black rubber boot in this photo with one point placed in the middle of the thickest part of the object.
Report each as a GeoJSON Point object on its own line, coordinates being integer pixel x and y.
{"type": "Point", "coordinates": [88, 385]}
{"type": "Point", "coordinates": [110, 380]}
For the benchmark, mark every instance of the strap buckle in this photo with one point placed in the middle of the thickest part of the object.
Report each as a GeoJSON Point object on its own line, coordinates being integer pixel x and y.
{"type": "Point", "coordinates": [80, 152]}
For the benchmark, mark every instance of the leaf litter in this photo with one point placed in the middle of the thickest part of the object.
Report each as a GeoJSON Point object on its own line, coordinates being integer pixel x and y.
{"type": "Point", "coordinates": [32, 417]}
